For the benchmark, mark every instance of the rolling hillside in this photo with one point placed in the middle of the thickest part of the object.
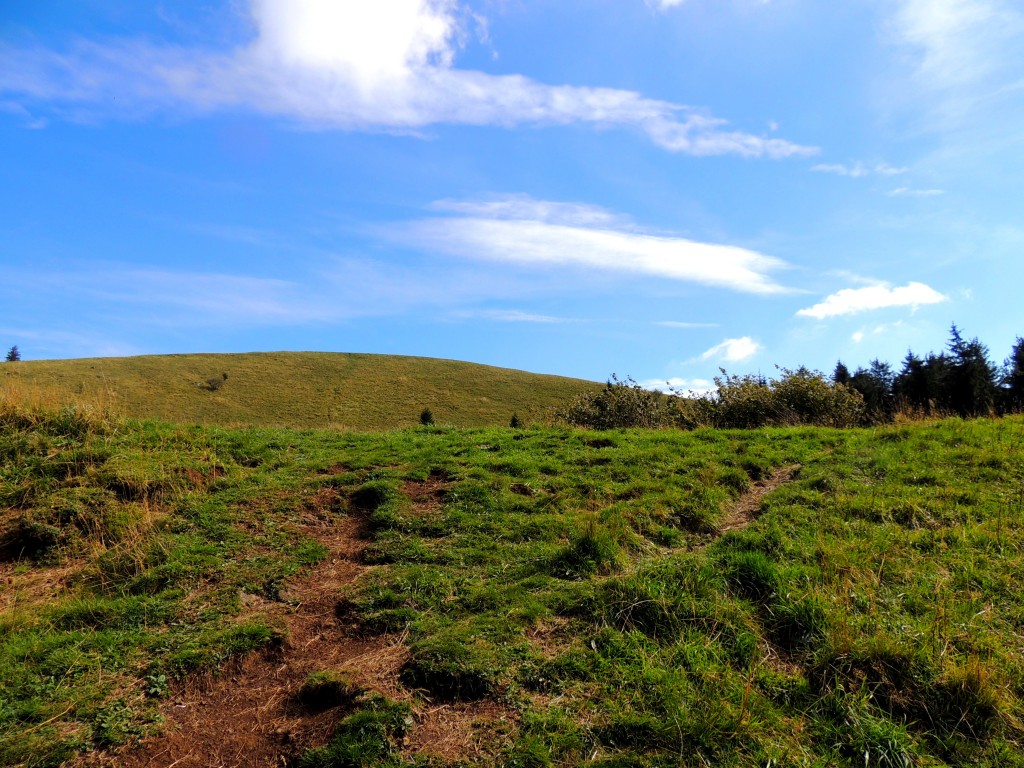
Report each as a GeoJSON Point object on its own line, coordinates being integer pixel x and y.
{"type": "Point", "coordinates": [510, 598]}
{"type": "Point", "coordinates": [294, 389]}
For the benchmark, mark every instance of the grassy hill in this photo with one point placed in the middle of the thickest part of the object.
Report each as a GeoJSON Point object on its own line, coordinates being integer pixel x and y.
{"type": "Point", "coordinates": [545, 597]}
{"type": "Point", "coordinates": [294, 389]}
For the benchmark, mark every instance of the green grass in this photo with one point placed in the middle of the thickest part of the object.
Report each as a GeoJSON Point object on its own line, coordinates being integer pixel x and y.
{"type": "Point", "coordinates": [871, 616]}
{"type": "Point", "coordinates": [296, 389]}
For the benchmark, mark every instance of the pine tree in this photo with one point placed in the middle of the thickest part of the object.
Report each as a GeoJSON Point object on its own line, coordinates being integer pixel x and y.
{"type": "Point", "coordinates": [13, 355]}
{"type": "Point", "coordinates": [1013, 378]}
{"type": "Point", "coordinates": [971, 385]}
{"type": "Point", "coordinates": [841, 375]}
{"type": "Point", "coordinates": [876, 387]}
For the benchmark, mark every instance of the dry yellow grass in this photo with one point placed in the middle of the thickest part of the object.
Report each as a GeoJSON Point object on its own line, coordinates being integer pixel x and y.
{"type": "Point", "coordinates": [292, 389]}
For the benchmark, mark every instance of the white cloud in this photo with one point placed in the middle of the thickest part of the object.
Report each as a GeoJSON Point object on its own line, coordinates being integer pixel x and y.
{"type": "Point", "coordinates": [878, 330]}
{"type": "Point", "coordinates": [539, 233]}
{"type": "Point", "coordinates": [511, 316]}
{"type": "Point", "coordinates": [733, 350]}
{"type": "Point", "coordinates": [908, 192]}
{"type": "Point", "coordinates": [954, 40]}
{"type": "Point", "coordinates": [858, 170]}
{"type": "Point", "coordinates": [385, 65]}
{"type": "Point", "coordinates": [851, 301]}
{"type": "Point", "coordinates": [680, 386]}
{"type": "Point", "coordinates": [963, 55]}
{"type": "Point", "coordinates": [684, 325]}
{"type": "Point", "coordinates": [524, 207]}
{"type": "Point", "coordinates": [884, 169]}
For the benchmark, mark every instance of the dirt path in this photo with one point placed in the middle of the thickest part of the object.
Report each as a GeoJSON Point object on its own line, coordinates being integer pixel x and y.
{"type": "Point", "coordinates": [246, 716]}
{"type": "Point", "coordinates": [748, 507]}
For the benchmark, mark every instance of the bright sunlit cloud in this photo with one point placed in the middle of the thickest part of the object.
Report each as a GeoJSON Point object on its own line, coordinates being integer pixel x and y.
{"type": "Point", "coordinates": [548, 234]}
{"type": "Point", "coordinates": [850, 301]}
{"type": "Point", "coordinates": [733, 350]}
{"type": "Point", "coordinates": [349, 66]}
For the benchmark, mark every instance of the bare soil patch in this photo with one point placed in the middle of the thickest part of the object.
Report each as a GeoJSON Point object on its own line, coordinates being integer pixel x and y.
{"type": "Point", "coordinates": [248, 714]}
{"type": "Point", "coordinates": [461, 731]}
{"type": "Point", "coordinates": [748, 507]}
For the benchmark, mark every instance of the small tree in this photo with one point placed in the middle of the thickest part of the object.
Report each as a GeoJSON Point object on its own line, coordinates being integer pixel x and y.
{"type": "Point", "coordinates": [516, 422]}
{"type": "Point", "coordinates": [13, 355]}
{"type": "Point", "coordinates": [427, 418]}
{"type": "Point", "coordinates": [620, 405]}
{"type": "Point", "coordinates": [841, 374]}
{"type": "Point", "coordinates": [1013, 378]}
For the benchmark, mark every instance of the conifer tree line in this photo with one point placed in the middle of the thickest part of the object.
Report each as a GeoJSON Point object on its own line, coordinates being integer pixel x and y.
{"type": "Point", "coordinates": [961, 380]}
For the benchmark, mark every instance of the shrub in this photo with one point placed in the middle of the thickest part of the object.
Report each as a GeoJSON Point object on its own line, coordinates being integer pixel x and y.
{"type": "Point", "coordinates": [797, 397]}
{"type": "Point", "coordinates": [739, 402]}
{"type": "Point", "coordinates": [621, 404]}
{"type": "Point", "coordinates": [216, 382]}
{"type": "Point", "coordinates": [426, 417]}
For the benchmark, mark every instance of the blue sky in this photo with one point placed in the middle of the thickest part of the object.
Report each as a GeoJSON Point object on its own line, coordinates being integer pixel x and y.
{"type": "Point", "coordinates": [574, 187]}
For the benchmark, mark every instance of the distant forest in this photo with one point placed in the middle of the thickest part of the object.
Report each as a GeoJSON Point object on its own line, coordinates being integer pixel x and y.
{"type": "Point", "coordinates": [962, 380]}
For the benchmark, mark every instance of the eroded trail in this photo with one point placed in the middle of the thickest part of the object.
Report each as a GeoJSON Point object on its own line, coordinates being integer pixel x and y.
{"type": "Point", "coordinates": [247, 715]}
{"type": "Point", "coordinates": [748, 507]}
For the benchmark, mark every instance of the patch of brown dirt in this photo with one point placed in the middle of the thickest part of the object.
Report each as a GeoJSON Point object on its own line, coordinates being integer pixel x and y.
{"type": "Point", "coordinates": [748, 507]}
{"type": "Point", "coordinates": [427, 495]}
{"type": "Point", "coordinates": [461, 731]}
{"type": "Point", "coordinates": [247, 715]}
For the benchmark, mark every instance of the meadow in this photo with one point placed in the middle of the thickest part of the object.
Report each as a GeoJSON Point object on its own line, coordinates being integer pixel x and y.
{"type": "Point", "coordinates": [303, 390]}
{"type": "Point", "coordinates": [519, 597]}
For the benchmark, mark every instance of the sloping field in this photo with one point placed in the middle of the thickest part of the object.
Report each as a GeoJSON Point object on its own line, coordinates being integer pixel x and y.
{"type": "Point", "coordinates": [198, 596]}
{"type": "Point", "coordinates": [295, 389]}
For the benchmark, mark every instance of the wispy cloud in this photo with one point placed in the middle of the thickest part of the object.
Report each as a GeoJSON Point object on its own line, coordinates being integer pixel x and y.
{"type": "Point", "coordinates": [663, 5]}
{"type": "Point", "coordinates": [684, 325]}
{"type": "Point", "coordinates": [733, 350]}
{"type": "Point", "coordinates": [955, 42]}
{"type": "Point", "coordinates": [28, 119]}
{"type": "Point", "coordinates": [909, 192]}
{"type": "Point", "coordinates": [878, 330]}
{"type": "Point", "coordinates": [850, 301]}
{"type": "Point", "coordinates": [510, 316]}
{"type": "Point", "coordinates": [859, 170]}
{"type": "Point", "coordinates": [539, 233]}
{"type": "Point", "coordinates": [42, 343]}
{"type": "Point", "coordinates": [385, 65]}
{"type": "Point", "coordinates": [963, 54]}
